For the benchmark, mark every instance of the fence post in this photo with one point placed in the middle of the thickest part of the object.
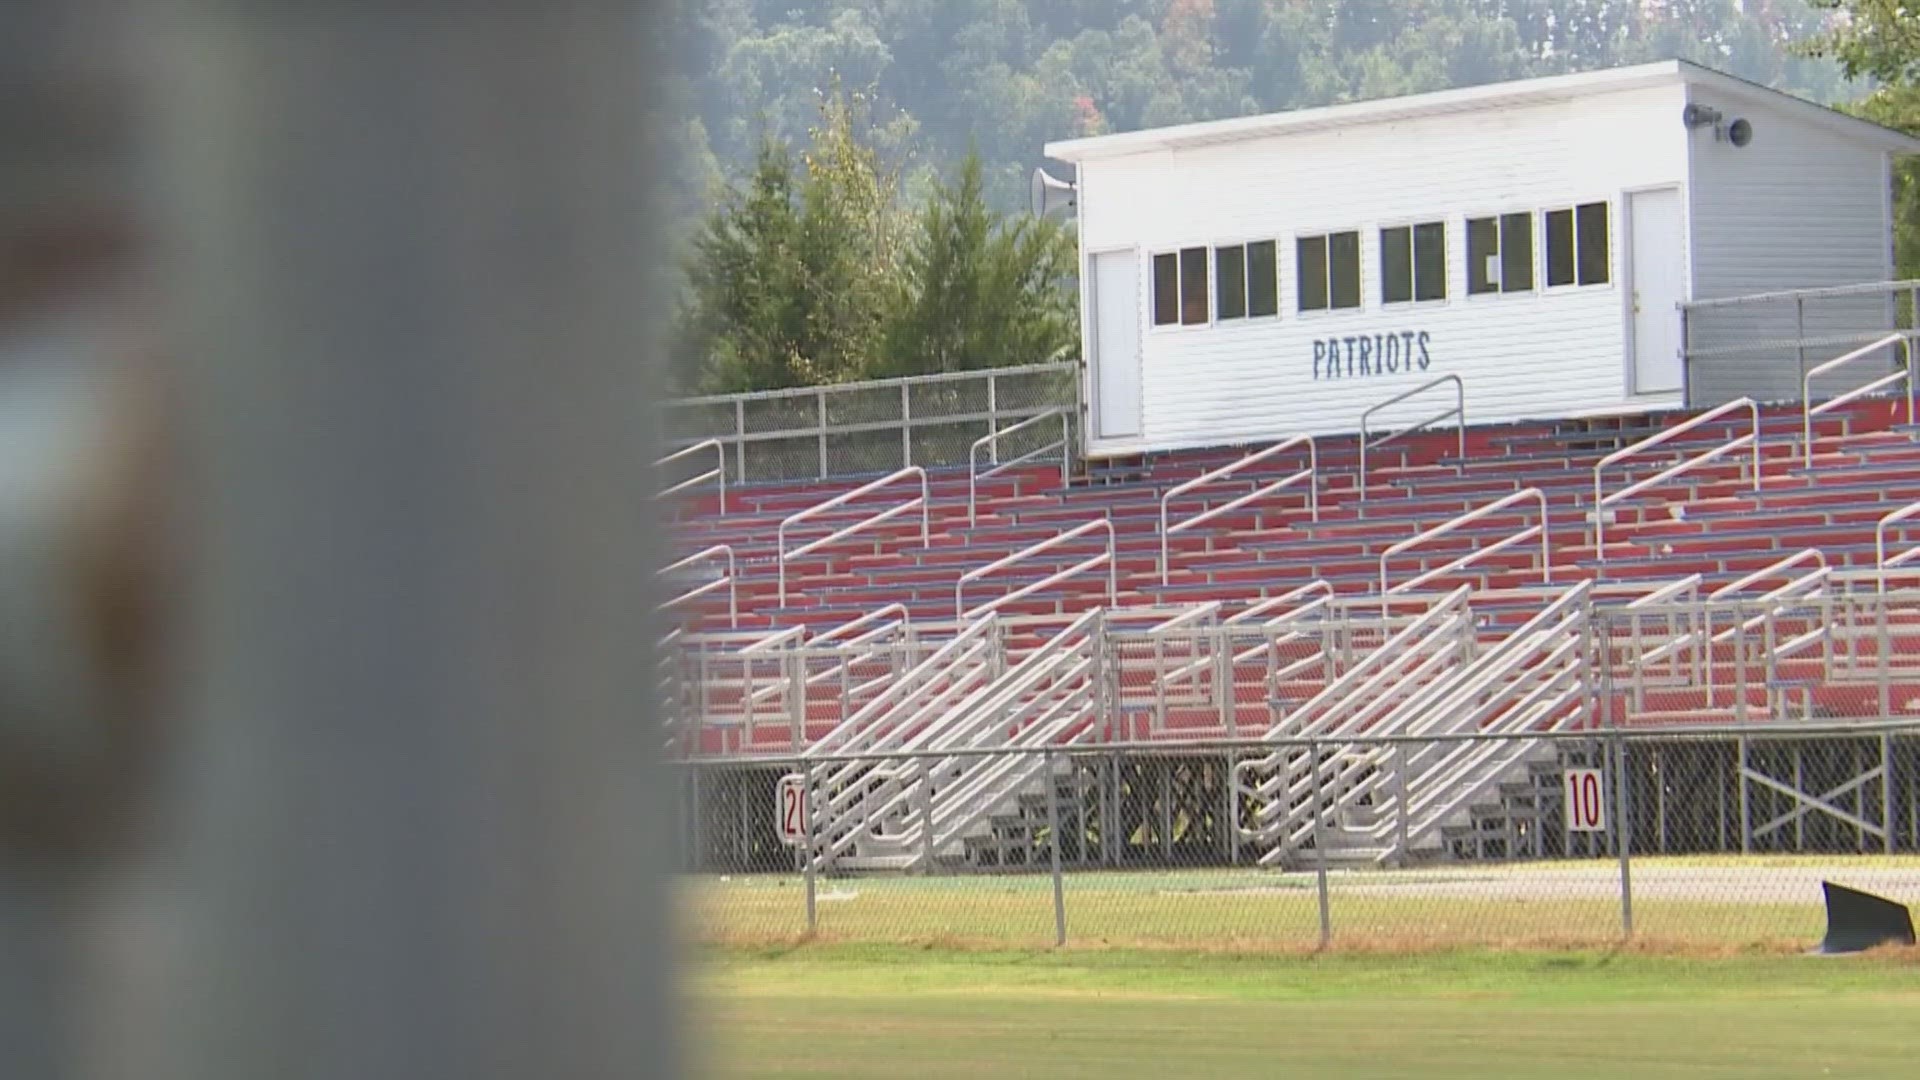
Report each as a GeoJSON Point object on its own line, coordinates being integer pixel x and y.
{"type": "Point", "coordinates": [993, 417]}
{"type": "Point", "coordinates": [1800, 336]}
{"type": "Point", "coordinates": [1233, 811]}
{"type": "Point", "coordinates": [1319, 848]}
{"type": "Point", "coordinates": [813, 920]}
{"type": "Point", "coordinates": [740, 433]}
{"type": "Point", "coordinates": [1053, 844]}
{"type": "Point", "coordinates": [1888, 822]}
{"type": "Point", "coordinates": [926, 817]}
{"type": "Point", "coordinates": [1400, 784]}
{"type": "Point", "coordinates": [1623, 832]}
{"type": "Point", "coordinates": [820, 396]}
{"type": "Point", "coordinates": [906, 424]}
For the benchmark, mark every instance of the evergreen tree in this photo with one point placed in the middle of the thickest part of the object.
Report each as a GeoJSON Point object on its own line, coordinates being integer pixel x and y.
{"type": "Point", "coordinates": [980, 289]}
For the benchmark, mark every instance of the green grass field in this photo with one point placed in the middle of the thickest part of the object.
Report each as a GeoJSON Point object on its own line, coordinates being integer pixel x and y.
{"type": "Point", "coordinates": [1725, 904]}
{"type": "Point", "coordinates": [891, 1012]}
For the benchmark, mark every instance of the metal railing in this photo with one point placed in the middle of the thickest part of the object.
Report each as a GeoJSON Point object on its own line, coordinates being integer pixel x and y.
{"type": "Point", "coordinates": [728, 581]}
{"type": "Point", "coordinates": [1310, 475]}
{"type": "Point", "coordinates": [1685, 465]}
{"type": "Point", "coordinates": [992, 442]}
{"type": "Point", "coordinates": [1459, 412]}
{"type": "Point", "coordinates": [816, 432]}
{"type": "Point", "coordinates": [1048, 699]}
{"type": "Point", "coordinates": [718, 473]}
{"type": "Point", "coordinates": [1808, 410]}
{"type": "Point", "coordinates": [1543, 530]}
{"type": "Point", "coordinates": [1770, 646]}
{"type": "Point", "coordinates": [1370, 693]}
{"type": "Point", "coordinates": [1532, 681]}
{"type": "Point", "coordinates": [966, 662]}
{"type": "Point", "coordinates": [923, 504]}
{"type": "Point", "coordinates": [1107, 558]}
{"type": "Point", "coordinates": [1880, 560]}
{"type": "Point", "coordinates": [1759, 345]}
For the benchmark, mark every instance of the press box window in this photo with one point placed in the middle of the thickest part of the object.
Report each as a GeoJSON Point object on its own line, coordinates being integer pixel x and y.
{"type": "Point", "coordinates": [1180, 287]}
{"type": "Point", "coordinates": [1500, 254]}
{"type": "Point", "coordinates": [1246, 281]}
{"type": "Point", "coordinates": [1578, 251]}
{"type": "Point", "coordinates": [1413, 263]}
{"type": "Point", "coordinates": [1329, 271]}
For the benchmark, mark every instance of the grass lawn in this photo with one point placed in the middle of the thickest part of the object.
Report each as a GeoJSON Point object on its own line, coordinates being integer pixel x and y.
{"type": "Point", "coordinates": [1726, 904]}
{"type": "Point", "coordinates": [851, 1011]}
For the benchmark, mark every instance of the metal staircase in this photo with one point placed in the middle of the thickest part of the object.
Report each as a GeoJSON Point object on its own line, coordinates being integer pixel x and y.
{"type": "Point", "coordinates": [1345, 787]}
{"type": "Point", "coordinates": [964, 769]}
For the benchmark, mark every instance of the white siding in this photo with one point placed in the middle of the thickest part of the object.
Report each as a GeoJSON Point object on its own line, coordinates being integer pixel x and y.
{"type": "Point", "coordinates": [1521, 355]}
{"type": "Point", "coordinates": [1799, 207]}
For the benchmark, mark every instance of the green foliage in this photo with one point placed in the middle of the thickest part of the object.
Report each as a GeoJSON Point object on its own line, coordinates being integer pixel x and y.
{"type": "Point", "coordinates": [1898, 107]}
{"type": "Point", "coordinates": [787, 277]}
{"type": "Point", "coordinates": [1010, 75]}
{"type": "Point", "coordinates": [813, 273]}
{"type": "Point", "coordinates": [1876, 39]}
{"type": "Point", "coordinates": [1880, 40]}
{"type": "Point", "coordinates": [852, 257]}
{"type": "Point", "coordinates": [979, 289]}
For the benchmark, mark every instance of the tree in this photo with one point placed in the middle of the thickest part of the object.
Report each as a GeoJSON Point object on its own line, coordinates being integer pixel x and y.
{"type": "Point", "coordinates": [979, 289]}
{"type": "Point", "coordinates": [1880, 40]}
{"type": "Point", "coordinates": [1876, 39]}
{"type": "Point", "coordinates": [741, 324]}
{"type": "Point", "coordinates": [787, 279]}
{"type": "Point", "coordinates": [1898, 107]}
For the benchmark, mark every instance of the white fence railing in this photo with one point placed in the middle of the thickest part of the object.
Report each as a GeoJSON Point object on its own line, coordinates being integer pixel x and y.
{"type": "Point", "coordinates": [1310, 476]}
{"type": "Point", "coordinates": [717, 474]}
{"type": "Point", "coordinates": [1458, 413]}
{"type": "Point", "coordinates": [991, 443]}
{"type": "Point", "coordinates": [1540, 530]}
{"type": "Point", "coordinates": [1809, 409]}
{"type": "Point", "coordinates": [1602, 504]}
{"type": "Point", "coordinates": [922, 503]}
{"type": "Point", "coordinates": [843, 429]}
{"type": "Point", "coordinates": [729, 580]}
{"type": "Point", "coordinates": [1106, 559]}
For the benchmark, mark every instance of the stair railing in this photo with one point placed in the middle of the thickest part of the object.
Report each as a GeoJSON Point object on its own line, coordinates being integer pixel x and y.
{"type": "Point", "coordinates": [1103, 559]}
{"type": "Point", "coordinates": [1542, 531]}
{"type": "Point", "coordinates": [1748, 441]}
{"type": "Point", "coordinates": [717, 473]}
{"type": "Point", "coordinates": [1458, 412]}
{"type": "Point", "coordinates": [992, 441]}
{"type": "Point", "coordinates": [1310, 476]}
{"type": "Point", "coordinates": [922, 503]}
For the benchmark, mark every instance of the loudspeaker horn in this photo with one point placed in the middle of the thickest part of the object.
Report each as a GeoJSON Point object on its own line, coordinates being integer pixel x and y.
{"type": "Point", "coordinates": [1050, 194]}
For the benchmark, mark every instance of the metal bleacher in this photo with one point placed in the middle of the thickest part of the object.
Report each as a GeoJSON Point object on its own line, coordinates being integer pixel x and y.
{"type": "Point", "coordinates": [897, 634]}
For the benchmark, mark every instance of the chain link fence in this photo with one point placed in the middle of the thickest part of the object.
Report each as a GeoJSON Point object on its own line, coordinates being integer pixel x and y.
{"type": "Point", "coordinates": [1763, 346]}
{"type": "Point", "coordinates": [1708, 839]}
{"type": "Point", "coordinates": [875, 427]}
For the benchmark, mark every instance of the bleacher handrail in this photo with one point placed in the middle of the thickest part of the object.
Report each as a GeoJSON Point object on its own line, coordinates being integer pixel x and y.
{"type": "Point", "coordinates": [992, 439]}
{"type": "Point", "coordinates": [728, 581]}
{"type": "Point", "coordinates": [1543, 530]}
{"type": "Point", "coordinates": [1880, 561]}
{"type": "Point", "coordinates": [1685, 465]}
{"type": "Point", "coordinates": [922, 504]}
{"type": "Point", "coordinates": [1808, 410]}
{"type": "Point", "coordinates": [1772, 570]}
{"type": "Point", "coordinates": [1107, 558]}
{"type": "Point", "coordinates": [898, 613]}
{"type": "Point", "coordinates": [1459, 411]}
{"type": "Point", "coordinates": [718, 472]}
{"type": "Point", "coordinates": [1311, 474]}
{"type": "Point", "coordinates": [1285, 599]}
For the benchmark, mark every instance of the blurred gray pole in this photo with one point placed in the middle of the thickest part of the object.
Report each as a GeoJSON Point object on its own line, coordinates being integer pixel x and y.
{"type": "Point", "coordinates": [419, 820]}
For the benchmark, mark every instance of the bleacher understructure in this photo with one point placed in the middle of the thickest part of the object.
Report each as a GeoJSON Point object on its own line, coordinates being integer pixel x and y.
{"type": "Point", "coordinates": [914, 644]}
